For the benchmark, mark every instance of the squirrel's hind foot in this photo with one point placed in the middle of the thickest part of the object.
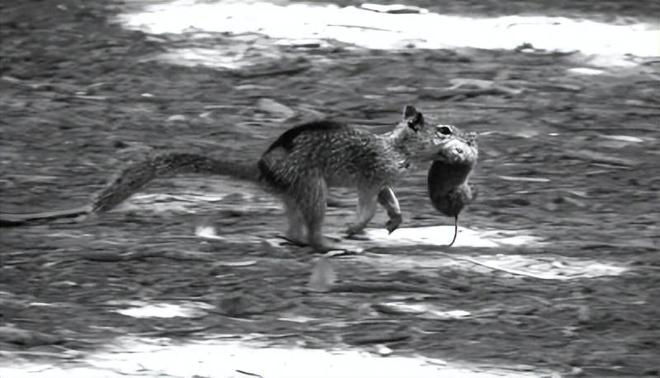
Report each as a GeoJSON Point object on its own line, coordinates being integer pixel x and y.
{"type": "Point", "coordinates": [325, 244]}
{"type": "Point", "coordinates": [292, 241]}
{"type": "Point", "coordinates": [321, 246]}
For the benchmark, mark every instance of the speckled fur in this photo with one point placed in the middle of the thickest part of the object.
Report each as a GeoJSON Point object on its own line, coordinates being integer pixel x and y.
{"type": "Point", "coordinates": [306, 160]}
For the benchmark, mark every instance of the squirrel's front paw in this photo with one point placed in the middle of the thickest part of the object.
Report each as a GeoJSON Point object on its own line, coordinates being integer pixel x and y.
{"type": "Point", "coordinates": [393, 223]}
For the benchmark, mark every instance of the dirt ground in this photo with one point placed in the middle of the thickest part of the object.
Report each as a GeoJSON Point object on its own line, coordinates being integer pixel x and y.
{"type": "Point", "coordinates": [569, 158]}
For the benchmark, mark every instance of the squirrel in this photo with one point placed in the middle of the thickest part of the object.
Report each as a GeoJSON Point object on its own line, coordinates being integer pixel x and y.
{"type": "Point", "coordinates": [298, 167]}
{"type": "Point", "coordinates": [447, 179]}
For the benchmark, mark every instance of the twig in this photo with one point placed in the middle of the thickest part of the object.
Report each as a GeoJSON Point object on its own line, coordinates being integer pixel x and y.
{"type": "Point", "coordinates": [492, 106]}
{"type": "Point", "coordinates": [105, 256]}
{"type": "Point", "coordinates": [489, 266]}
{"type": "Point", "coordinates": [380, 339]}
{"type": "Point", "coordinates": [248, 373]}
{"type": "Point", "coordinates": [36, 354]}
{"type": "Point", "coordinates": [273, 72]}
{"type": "Point", "coordinates": [12, 219]}
{"type": "Point", "coordinates": [375, 287]}
{"type": "Point", "coordinates": [90, 97]}
{"type": "Point", "coordinates": [451, 93]}
{"type": "Point", "coordinates": [360, 27]}
{"type": "Point", "coordinates": [178, 332]}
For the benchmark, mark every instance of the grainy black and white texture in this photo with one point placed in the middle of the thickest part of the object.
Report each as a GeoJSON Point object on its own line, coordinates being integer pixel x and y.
{"type": "Point", "coordinates": [570, 159]}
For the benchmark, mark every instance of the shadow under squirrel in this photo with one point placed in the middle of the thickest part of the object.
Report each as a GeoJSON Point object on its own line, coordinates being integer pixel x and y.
{"type": "Point", "coordinates": [298, 167]}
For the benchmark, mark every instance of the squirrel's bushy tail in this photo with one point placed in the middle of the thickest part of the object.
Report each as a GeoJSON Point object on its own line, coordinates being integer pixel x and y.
{"type": "Point", "coordinates": [137, 175]}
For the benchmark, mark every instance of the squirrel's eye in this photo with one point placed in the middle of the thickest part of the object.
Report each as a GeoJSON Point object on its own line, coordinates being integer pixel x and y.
{"type": "Point", "coordinates": [444, 130]}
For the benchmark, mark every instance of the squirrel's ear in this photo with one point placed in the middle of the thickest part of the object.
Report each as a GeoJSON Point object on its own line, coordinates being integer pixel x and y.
{"type": "Point", "coordinates": [412, 117]}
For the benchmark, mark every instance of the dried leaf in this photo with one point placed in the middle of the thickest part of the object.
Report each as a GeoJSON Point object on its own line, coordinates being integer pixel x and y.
{"type": "Point", "coordinates": [271, 106]}
{"type": "Point", "coordinates": [584, 314]}
{"type": "Point", "coordinates": [177, 118]}
{"type": "Point", "coordinates": [207, 232]}
{"type": "Point", "coordinates": [399, 309]}
{"type": "Point", "coordinates": [25, 337]}
{"type": "Point", "coordinates": [383, 350]}
{"type": "Point", "coordinates": [234, 304]}
{"type": "Point", "coordinates": [394, 8]}
{"type": "Point", "coordinates": [599, 157]}
{"type": "Point", "coordinates": [622, 138]}
{"type": "Point", "coordinates": [323, 276]}
{"type": "Point", "coordinates": [235, 263]}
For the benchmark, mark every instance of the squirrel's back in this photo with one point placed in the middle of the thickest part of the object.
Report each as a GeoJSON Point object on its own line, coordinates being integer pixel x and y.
{"type": "Point", "coordinates": [340, 154]}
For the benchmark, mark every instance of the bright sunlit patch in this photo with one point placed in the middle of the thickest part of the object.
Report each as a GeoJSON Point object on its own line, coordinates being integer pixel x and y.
{"type": "Point", "coordinates": [606, 44]}
{"type": "Point", "coordinates": [138, 309]}
{"type": "Point", "coordinates": [536, 265]}
{"type": "Point", "coordinates": [442, 235]}
{"type": "Point", "coordinates": [203, 56]}
{"type": "Point", "coordinates": [422, 310]}
{"type": "Point", "coordinates": [224, 359]}
{"type": "Point", "coordinates": [425, 236]}
{"type": "Point", "coordinates": [586, 71]}
{"type": "Point", "coordinates": [207, 232]}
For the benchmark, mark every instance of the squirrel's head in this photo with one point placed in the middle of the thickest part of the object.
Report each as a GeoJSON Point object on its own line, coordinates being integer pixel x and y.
{"type": "Point", "coordinates": [426, 141]}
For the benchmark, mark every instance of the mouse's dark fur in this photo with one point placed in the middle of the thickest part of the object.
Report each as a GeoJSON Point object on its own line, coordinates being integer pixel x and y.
{"type": "Point", "coordinates": [447, 179]}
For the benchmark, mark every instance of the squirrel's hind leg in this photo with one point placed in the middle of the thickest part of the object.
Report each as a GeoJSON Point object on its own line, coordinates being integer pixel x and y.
{"type": "Point", "coordinates": [295, 232]}
{"type": "Point", "coordinates": [310, 196]}
{"type": "Point", "coordinates": [365, 210]}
